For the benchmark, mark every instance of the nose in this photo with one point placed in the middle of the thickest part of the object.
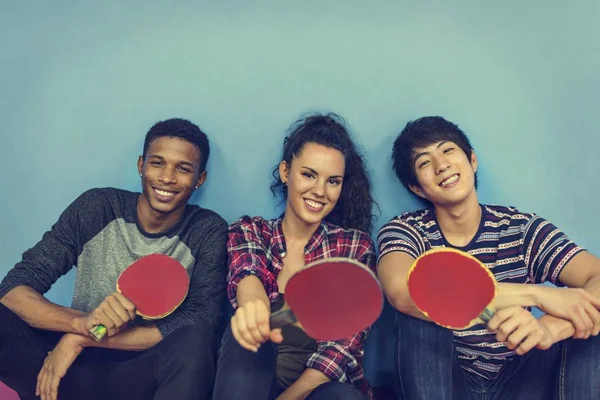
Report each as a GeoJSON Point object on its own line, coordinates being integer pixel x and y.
{"type": "Point", "coordinates": [167, 175]}
{"type": "Point", "coordinates": [441, 164]}
{"type": "Point", "coordinates": [318, 188]}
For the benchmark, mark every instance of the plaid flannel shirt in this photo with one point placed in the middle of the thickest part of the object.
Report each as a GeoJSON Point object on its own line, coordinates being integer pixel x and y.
{"type": "Point", "coordinates": [256, 247]}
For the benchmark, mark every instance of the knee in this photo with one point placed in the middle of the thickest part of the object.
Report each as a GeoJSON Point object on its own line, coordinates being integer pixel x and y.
{"type": "Point", "coordinates": [191, 348]}
{"type": "Point", "coordinates": [413, 331]}
{"type": "Point", "coordinates": [230, 349]}
{"type": "Point", "coordinates": [234, 358]}
{"type": "Point", "coordinates": [336, 390]}
{"type": "Point", "coordinates": [584, 349]}
{"type": "Point", "coordinates": [9, 318]}
{"type": "Point", "coordinates": [409, 323]}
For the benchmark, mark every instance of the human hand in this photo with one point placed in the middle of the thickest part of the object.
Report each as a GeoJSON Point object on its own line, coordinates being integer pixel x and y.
{"type": "Point", "coordinates": [572, 304]}
{"type": "Point", "coordinates": [114, 313]}
{"type": "Point", "coordinates": [250, 325]}
{"type": "Point", "coordinates": [56, 364]}
{"type": "Point", "coordinates": [520, 330]}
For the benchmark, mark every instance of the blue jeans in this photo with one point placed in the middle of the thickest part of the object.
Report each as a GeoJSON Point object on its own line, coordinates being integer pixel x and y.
{"type": "Point", "coordinates": [242, 374]}
{"type": "Point", "coordinates": [181, 366]}
{"type": "Point", "coordinates": [428, 369]}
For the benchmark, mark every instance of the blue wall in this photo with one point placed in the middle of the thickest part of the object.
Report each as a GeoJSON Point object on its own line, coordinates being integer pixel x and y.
{"type": "Point", "coordinates": [81, 82]}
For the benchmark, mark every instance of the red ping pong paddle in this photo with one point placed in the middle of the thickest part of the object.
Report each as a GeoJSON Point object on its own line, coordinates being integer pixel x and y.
{"type": "Point", "coordinates": [452, 288]}
{"type": "Point", "coordinates": [157, 284]}
{"type": "Point", "coordinates": [331, 299]}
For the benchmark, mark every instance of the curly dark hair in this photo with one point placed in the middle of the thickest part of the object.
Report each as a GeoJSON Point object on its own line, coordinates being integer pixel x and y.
{"type": "Point", "coordinates": [423, 132]}
{"type": "Point", "coordinates": [182, 129]}
{"type": "Point", "coordinates": [354, 207]}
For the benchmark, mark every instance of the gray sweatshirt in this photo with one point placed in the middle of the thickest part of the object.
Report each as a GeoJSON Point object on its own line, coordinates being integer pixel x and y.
{"type": "Point", "coordinates": [100, 235]}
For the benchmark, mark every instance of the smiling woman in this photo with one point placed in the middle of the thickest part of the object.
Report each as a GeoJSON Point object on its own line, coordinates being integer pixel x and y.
{"type": "Point", "coordinates": [314, 183]}
{"type": "Point", "coordinates": [312, 135]}
{"type": "Point", "coordinates": [328, 214]}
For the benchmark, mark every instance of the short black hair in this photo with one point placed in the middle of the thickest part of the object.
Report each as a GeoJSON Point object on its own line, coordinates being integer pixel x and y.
{"type": "Point", "coordinates": [424, 132]}
{"type": "Point", "coordinates": [182, 129]}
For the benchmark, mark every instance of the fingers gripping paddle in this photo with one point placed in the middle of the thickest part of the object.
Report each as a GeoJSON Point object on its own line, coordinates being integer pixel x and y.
{"type": "Point", "coordinates": [331, 299]}
{"type": "Point", "coordinates": [452, 288]}
{"type": "Point", "coordinates": [157, 284]}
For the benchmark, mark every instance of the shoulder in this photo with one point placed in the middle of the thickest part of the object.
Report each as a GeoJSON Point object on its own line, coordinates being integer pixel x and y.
{"type": "Point", "coordinates": [498, 216]}
{"type": "Point", "coordinates": [348, 238]}
{"type": "Point", "coordinates": [417, 217]}
{"type": "Point", "coordinates": [104, 196]}
{"type": "Point", "coordinates": [257, 224]}
{"type": "Point", "coordinates": [413, 221]}
{"type": "Point", "coordinates": [206, 215]}
{"type": "Point", "coordinates": [202, 220]}
{"type": "Point", "coordinates": [101, 203]}
{"type": "Point", "coordinates": [340, 232]}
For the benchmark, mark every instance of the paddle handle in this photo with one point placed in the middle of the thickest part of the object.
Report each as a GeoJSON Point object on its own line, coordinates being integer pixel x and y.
{"type": "Point", "coordinates": [281, 318]}
{"type": "Point", "coordinates": [98, 332]}
{"type": "Point", "coordinates": [486, 315]}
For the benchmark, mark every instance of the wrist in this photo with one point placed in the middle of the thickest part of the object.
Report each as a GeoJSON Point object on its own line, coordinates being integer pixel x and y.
{"type": "Point", "coordinates": [516, 294]}
{"type": "Point", "coordinates": [537, 294]}
{"type": "Point", "coordinates": [255, 300]}
{"type": "Point", "coordinates": [78, 325]}
{"type": "Point", "coordinates": [251, 289]}
{"type": "Point", "coordinates": [558, 328]}
{"type": "Point", "coordinates": [78, 342]}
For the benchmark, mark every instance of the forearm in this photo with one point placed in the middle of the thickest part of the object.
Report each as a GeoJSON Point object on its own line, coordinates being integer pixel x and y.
{"type": "Point", "coordinates": [403, 303]}
{"type": "Point", "coordinates": [306, 383]}
{"type": "Point", "coordinates": [251, 289]}
{"type": "Point", "coordinates": [40, 313]}
{"type": "Point", "coordinates": [511, 294]}
{"type": "Point", "coordinates": [562, 329]}
{"type": "Point", "coordinates": [515, 294]}
{"type": "Point", "coordinates": [508, 294]}
{"type": "Point", "coordinates": [136, 338]}
{"type": "Point", "coordinates": [392, 272]}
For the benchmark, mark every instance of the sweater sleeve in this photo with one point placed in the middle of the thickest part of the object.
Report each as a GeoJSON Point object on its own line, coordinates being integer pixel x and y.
{"type": "Point", "coordinates": [205, 301]}
{"type": "Point", "coordinates": [55, 254]}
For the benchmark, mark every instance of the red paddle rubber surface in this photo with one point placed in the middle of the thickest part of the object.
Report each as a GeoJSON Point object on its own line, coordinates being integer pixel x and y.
{"type": "Point", "coordinates": [156, 284]}
{"type": "Point", "coordinates": [334, 299]}
{"type": "Point", "coordinates": [452, 289]}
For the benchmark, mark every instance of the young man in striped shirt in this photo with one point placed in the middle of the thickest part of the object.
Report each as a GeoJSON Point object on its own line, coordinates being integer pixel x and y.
{"type": "Point", "coordinates": [515, 355]}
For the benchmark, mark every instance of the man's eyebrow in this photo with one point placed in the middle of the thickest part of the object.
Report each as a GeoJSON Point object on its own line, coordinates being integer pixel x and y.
{"type": "Point", "coordinates": [180, 162]}
{"type": "Point", "coordinates": [424, 153]}
{"type": "Point", "coordinates": [183, 162]}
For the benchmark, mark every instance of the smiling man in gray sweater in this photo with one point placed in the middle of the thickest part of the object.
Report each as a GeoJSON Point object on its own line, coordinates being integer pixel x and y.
{"type": "Point", "coordinates": [45, 348]}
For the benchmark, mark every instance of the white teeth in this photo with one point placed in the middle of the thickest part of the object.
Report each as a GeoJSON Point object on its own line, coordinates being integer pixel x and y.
{"type": "Point", "coordinates": [163, 193]}
{"type": "Point", "coordinates": [449, 181]}
{"type": "Point", "coordinates": [313, 204]}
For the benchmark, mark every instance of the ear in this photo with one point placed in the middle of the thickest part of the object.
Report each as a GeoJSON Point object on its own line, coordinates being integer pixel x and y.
{"type": "Point", "coordinates": [201, 179]}
{"type": "Point", "coordinates": [473, 161]}
{"type": "Point", "coordinates": [417, 190]}
{"type": "Point", "coordinates": [140, 165]}
{"type": "Point", "coordinates": [284, 171]}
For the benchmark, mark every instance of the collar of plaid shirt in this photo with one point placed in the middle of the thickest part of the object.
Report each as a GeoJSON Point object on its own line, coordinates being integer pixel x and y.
{"type": "Point", "coordinates": [316, 239]}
